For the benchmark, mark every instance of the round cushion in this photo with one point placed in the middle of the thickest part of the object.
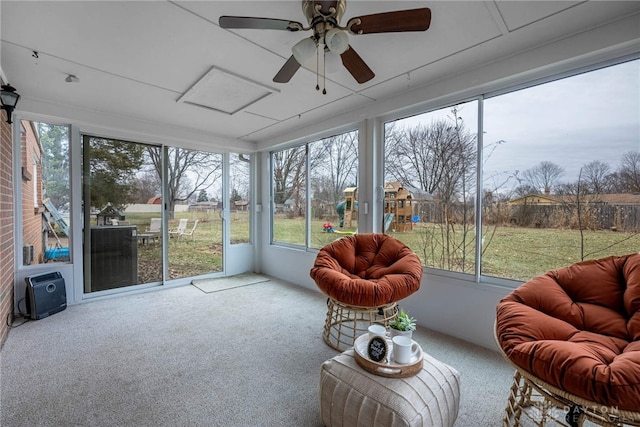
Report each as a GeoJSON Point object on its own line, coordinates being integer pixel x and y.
{"type": "Point", "coordinates": [578, 329]}
{"type": "Point", "coordinates": [367, 270]}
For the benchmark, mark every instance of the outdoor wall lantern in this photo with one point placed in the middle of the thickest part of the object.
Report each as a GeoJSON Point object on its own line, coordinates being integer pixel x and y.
{"type": "Point", "coordinates": [9, 99]}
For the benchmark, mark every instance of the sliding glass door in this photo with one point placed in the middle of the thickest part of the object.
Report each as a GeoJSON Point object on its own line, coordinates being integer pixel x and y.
{"type": "Point", "coordinates": [122, 202]}
{"type": "Point", "coordinates": [194, 212]}
{"type": "Point", "coordinates": [154, 214]}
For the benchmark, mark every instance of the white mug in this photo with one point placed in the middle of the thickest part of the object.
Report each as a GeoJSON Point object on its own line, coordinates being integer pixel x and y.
{"type": "Point", "coordinates": [377, 330]}
{"type": "Point", "coordinates": [404, 349]}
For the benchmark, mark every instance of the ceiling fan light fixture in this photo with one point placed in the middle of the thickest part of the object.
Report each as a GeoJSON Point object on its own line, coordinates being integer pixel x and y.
{"type": "Point", "coordinates": [336, 40]}
{"type": "Point", "coordinates": [304, 50]}
{"type": "Point", "coordinates": [330, 37]}
{"type": "Point", "coordinates": [332, 62]}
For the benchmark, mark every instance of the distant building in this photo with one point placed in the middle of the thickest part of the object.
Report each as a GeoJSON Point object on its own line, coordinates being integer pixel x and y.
{"type": "Point", "coordinates": [618, 211]}
{"type": "Point", "coordinates": [240, 205]}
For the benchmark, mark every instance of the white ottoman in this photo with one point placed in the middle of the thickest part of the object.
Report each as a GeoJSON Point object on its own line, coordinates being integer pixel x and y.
{"type": "Point", "coordinates": [351, 396]}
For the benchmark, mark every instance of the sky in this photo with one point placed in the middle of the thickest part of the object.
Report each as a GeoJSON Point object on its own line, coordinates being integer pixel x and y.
{"type": "Point", "coordinates": [570, 122]}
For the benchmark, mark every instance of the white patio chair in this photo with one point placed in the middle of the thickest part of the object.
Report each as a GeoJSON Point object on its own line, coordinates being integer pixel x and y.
{"type": "Point", "coordinates": [155, 226]}
{"type": "Point", "coordinates": [182, 227]}
{"type": "Point", "coordinates": [190, 232]}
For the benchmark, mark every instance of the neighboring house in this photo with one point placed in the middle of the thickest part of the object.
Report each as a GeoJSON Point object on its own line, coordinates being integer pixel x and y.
{"type": "Point", "coordinates": [157, 200]}
{"type": "Point", "coordinates": [619, 211]}
{"type": "Point", "coordinates": [240, 205]}
{"type": "Point", "coordinates": [205, 206]}
{"type": "Point", "coordinates": [289, 205]}
{"type": "Point", "coordinates": [535, 199]}
{"type": "Point", "coordinates": [605, 199]}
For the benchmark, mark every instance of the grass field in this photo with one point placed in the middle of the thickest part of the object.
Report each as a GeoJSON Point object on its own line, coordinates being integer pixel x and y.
{"type": "Point", "coordinates": [187, 256]}
{"type": "Point", "coordinates": [508, 252]}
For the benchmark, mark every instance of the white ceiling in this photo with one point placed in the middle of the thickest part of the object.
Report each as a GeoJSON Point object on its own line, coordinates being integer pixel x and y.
{"type": "Point", "coordinates": [136, 59]}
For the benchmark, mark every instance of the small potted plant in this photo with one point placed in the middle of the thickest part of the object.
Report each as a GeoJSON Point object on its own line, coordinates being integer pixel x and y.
{"type": "Point", "coordinates": [402, 325]}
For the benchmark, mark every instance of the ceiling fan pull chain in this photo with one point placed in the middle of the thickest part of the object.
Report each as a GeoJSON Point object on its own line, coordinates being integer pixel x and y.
{"type": "Point", "coordinates": [320, 66]}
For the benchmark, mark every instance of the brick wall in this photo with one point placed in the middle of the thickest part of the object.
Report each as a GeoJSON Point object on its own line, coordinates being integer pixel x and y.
{"type": "Point", "coordinates": [32, 208]}
{"type": "Point", "coordinates": [6, 227]}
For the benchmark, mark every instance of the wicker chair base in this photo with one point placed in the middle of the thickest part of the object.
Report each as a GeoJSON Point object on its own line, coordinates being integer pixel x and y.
{"type": "Point", "coordinates": [345, 323]}
{"type": "Point", "coordinates": [532, 402]}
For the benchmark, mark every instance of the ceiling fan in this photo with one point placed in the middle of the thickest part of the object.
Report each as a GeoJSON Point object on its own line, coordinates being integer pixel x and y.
{"type": "Point", "coordinates": [329, 37]}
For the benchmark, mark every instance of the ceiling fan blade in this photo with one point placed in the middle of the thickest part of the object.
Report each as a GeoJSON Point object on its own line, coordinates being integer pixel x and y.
{"type": "Point", "coordinates": [356, 66]}
{"type": "Point", "coordinates": [287, 71]}
{"type": "Point", "coordinates": [258, 23]}
{"type": "Point", "coordinates": [391, 22]}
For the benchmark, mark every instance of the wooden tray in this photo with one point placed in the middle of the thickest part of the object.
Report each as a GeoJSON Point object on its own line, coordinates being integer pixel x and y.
{"type": "Point", "coordinates": [386, 368]}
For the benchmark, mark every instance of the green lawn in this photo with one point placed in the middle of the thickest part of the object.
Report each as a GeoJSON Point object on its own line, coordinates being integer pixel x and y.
{"type": "Point", "coordinates": [188, 257]}
{"type": "Point", "coordinates": [509, 252]}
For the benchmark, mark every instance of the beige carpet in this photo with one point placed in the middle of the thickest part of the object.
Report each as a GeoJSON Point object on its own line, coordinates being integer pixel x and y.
{"type": "Point", "coordinates": [223, 283]}
{"type": "Point", "coordinates": [246, 357]}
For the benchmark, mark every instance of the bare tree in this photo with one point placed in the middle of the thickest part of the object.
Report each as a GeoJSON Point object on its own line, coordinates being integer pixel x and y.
{"type": "Point", "coordinates": [335, 164]}
{"type": "Point", "coordinates": [147, 186]}
{"type": "Point", "coordinates": [183, 167]}
{"type": "Point", "coordinates": [629, 171]}
{"type": "Point", "coordinates": [524, 190]}
{"type": "Point", "coordinates": [440, 159]}
{"type": "Point", "coordinates": [433, 158]}
{"type": "Point", "coordinates": [289, 175]}
{"type": "Point", "coordinates": [543, 176]}
{"type": "Point", "coordinates": [240, 175]}
{"type": "Point", "coordinates": [594, 177]}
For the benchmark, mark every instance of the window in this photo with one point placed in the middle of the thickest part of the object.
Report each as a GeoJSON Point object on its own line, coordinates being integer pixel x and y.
{"type": "Point", "coordinates": [45, 193]}
{"type": "Point", "coordinates": [430, 185]}
{"type": "Point", "coordinates": [119, 199]}
{"type": "Point", "coordinates": [562, 173]}
{"type": "Point", "coordinates": [124, 223]}
{"type": "Point", "coordinates": [194, 184]}
{"type": "Point", "coordinates": [332, 167]}
{"type": "Point", "coordinates": [240, 184]}
{"type": "Point", "coordinates": [550, 177]}
{"type": "Point", "coordinates": [334, 187]}
{"type": "Point", "coordinates": [289, 177]}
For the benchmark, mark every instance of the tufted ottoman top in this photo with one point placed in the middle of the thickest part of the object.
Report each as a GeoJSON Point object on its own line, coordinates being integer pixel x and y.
{"type": "Point", "coordinates": [367, 270]}
{"type": "Point", "coordinates": [578, 329]}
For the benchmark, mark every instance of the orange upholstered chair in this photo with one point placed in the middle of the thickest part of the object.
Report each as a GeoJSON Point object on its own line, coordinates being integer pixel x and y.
{"type": "Point", "coordinates": [573, 335]}
{"type": "Point", "coordinates": [364, 276]}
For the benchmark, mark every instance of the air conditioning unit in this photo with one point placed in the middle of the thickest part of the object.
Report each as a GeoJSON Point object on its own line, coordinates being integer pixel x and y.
{"type": "Point", "coordinates": [28, 253]}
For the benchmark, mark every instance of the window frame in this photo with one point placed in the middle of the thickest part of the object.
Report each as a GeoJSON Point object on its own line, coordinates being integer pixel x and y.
{"type": "Point", "coordinates": [371, 153]}
{"type": "Point", "coordinates": [305, 142]}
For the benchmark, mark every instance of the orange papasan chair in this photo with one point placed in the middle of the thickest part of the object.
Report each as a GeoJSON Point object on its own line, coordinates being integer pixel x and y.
{"type": "Point", "coordinates": [573, 336]}
{"type": "Point", "coordinates": [364, 276]}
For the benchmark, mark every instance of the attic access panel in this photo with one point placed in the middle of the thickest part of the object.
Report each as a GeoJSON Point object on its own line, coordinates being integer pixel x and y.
{"type": "Point", "coordinates": [223, 91]}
